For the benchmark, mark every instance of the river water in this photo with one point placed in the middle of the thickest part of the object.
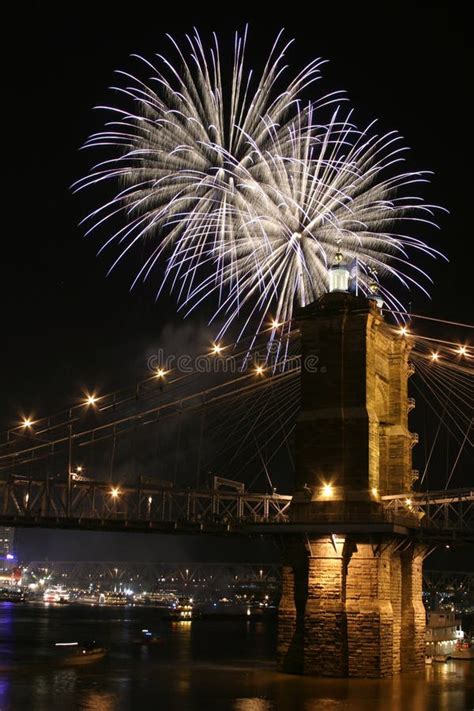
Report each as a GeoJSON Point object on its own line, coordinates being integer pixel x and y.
{"type": "Point", "coordinates": [203, 665]}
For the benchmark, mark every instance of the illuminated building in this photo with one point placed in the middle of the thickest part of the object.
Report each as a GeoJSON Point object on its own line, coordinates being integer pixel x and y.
{"type": "Point", "coordinates": [6, 543]}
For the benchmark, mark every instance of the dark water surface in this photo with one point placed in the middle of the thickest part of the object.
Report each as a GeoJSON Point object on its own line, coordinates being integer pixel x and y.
{"type": "Point", "coordinates": [201, 665]}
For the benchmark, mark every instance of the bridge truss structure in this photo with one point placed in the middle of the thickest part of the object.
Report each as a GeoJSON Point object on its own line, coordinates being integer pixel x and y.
{"type": "Point", "coordinates": [225, 508]}
{"type": "Point", "coordinates": [218, 576]}
{"type": "Point", "coordinates": [189, 575]}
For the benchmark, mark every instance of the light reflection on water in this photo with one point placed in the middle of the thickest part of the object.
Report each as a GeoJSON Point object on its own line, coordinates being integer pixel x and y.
{"type": "Point", "coordinates": [225, 666]}
{"type": "Point", "coordinates": [253, 705]}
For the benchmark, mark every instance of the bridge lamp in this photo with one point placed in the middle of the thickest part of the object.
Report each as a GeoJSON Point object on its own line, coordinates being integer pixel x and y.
{"type": "Point", "coordinates": [403, 331]}
{"type": "Point", "coordinates": [27, 422]}
{"type": "Point", "coordinates": [327, 490]}
{"type": "Point", "coordinates": [160, 373]}
{"type": "Point", "coordinates": [115, 492]}
{"type": "Point", "coordinates": [462, 350]}
{"type": "Point", "coordinates": [259, 370]}
{"type": "Point", "coordinates": [216, 349]}
{"type": "Point", "coordinates": [91, 400]}
{"type": "Point", "coordinates": [434, 356]}
{"type": "Point", "coordinates": [276, 324]}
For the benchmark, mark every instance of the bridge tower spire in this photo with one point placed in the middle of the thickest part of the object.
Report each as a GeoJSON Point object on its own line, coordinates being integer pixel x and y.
{"type": "Point", "coordinates": [351, 602]}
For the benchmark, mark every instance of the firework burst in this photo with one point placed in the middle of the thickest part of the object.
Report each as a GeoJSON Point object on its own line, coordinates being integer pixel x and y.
{"type": "Point", "coordinates": [243, 193]}
{"type": "Point", "coordinates": [319, 191]}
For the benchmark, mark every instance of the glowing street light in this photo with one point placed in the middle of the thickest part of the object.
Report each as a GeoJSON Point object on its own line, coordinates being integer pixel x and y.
{"type": "Point", "coordinates": [27, 422]}
{"type": "Point", "coordinates": [435, 356]}
{"type": "Point", "coordinates": [462, 350]}
{"type": "Point", "coordinates": [276, 324]}
{"type": "Point", "coordinates": [91, 400]}
{"type": "Point", "coordinates": [216, 349]}
{"type": "Point", "coordinates": [160, 373]}
{"type": "Point", "coordinates": [327, 490]}
{"type": "Point", "coordinates": [259, 370]}
{"type": "Point", "coordinates": [403, 331]}
{"type": "Point", "coordinates": [115, 492]}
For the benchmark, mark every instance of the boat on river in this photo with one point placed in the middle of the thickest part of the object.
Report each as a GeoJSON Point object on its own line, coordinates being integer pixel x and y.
{"type": "Point", "coordinates": [443, 635]}
{"type": "Point", "coordinates": [12, 595]}
{"type": "Point", "coordinates": [463, 650]}
{"type": "Point", "coordinates": [148, 638]}
{"type": "Point", "coordinates": [78, 653]}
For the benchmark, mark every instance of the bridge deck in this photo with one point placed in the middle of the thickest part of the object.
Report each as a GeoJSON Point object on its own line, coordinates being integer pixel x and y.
{"type": "Point", "coordinates": [92, 505]}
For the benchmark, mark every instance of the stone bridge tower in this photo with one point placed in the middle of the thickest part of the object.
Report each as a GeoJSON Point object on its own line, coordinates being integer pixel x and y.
{"type": "Point", "coordinates": [352, 579]}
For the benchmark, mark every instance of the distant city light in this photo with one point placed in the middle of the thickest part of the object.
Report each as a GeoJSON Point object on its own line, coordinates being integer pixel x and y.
{"type": "Point", "coordinates": [9, 556]}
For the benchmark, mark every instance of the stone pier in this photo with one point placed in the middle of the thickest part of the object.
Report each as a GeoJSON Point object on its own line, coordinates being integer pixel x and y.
{"type": "Point", "coordinates": [349, 609]}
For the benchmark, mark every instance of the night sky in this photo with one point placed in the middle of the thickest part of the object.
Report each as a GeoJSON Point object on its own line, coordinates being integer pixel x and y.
{"type": "Point", "coordinates": [65, 325]}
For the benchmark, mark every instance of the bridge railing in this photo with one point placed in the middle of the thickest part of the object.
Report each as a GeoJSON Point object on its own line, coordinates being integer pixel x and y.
{"type": "Point", "coordinates": [85, 503]}
{"type": "Point", "coordinates": [440, 510]}
{"type": "Point", "coordinates": [24, 498]}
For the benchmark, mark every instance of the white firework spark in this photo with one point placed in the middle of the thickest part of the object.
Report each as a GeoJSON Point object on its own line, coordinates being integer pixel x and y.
{"type": "Point", "coordinates": [243, 195]}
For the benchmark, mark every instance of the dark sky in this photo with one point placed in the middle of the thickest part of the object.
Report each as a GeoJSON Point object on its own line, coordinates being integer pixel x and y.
{"type": "Point", "coordinates": [66, 326]}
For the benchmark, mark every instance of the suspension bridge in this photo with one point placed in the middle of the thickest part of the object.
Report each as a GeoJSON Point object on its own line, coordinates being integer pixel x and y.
{"type": "Point", "coordinates": [168, 454]}
{"type": "Point", "coordinates": [303, 437]}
